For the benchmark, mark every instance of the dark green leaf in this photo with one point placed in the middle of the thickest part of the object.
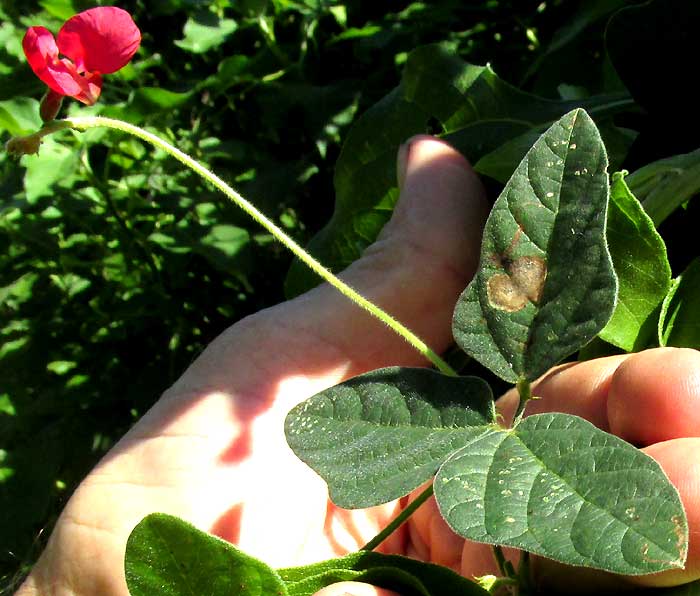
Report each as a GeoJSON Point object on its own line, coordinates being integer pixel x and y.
{"type": "Point", "coordinates": [559, 487]}
{"type": "Point", "coordinates": [477, 112]}
{"type": "Point", "coordinates": [500, 163]}
{"type": "Point", "coordinates": [169, 557]}
{"type": "Point", "coordinates": [663, 185]}
{"type": "Point", "coordinates": [642, 268]}
{"type": "Point", "coordinates": [545, 285]}
{"type": "Point", "coordinates": [406, 576]}
{"type": "Point", "coordinates": [679, 324]}
{"type": "Point", "coordinates": [378, 436]}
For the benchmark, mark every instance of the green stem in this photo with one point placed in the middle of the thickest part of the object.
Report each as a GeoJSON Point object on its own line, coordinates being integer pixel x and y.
{"type": "Point", "coordinates": [87, 122]}
{"type": "Point", "coordinates": [501, 560]}
{"type": "Point", "coordinates": [399, 519]}
{"type": "Point", "coordinates": [525, 393]}
{"type": "Point", "coordinates": [525, 587]}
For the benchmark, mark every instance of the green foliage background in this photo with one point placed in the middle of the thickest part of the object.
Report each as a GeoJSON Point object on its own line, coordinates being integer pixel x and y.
{"type": "Point", "coordinates": [116, 268]}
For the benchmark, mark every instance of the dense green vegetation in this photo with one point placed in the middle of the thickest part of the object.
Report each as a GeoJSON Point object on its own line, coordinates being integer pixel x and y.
{"type": "Point", "coordinates": [117, 267]}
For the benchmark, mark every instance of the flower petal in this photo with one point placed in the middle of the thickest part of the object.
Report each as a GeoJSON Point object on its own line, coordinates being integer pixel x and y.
{"type": "Point", "coordinates": [41, 51]}
{"type": "Point", "coordinates": [91, 88]}
{"type": "Point", "coordinates": [101, 39]}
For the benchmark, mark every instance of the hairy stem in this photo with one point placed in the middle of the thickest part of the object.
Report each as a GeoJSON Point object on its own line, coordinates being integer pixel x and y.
{"type": "Point", "coordinates": [84, 123]}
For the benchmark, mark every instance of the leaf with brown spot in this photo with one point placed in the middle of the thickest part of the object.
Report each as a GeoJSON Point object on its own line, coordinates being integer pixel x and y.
{"type": "Point", "coordinates": [545, 286]}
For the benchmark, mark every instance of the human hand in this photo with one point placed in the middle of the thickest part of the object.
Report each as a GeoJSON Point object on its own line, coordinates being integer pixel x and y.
{"type": "Point", "coordinates": [212, 449]}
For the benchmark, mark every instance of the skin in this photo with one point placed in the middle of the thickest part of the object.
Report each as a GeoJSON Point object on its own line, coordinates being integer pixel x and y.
{"type": "Point", "coordinates": [212, 449]}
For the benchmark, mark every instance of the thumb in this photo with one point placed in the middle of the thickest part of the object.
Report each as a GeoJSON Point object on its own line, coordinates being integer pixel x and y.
{"type": "Point", "coordinates": [415, 271]}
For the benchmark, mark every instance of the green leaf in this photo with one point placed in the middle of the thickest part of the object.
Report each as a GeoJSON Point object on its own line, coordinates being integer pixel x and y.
{"type": "Point", "coordinates": [500, 163]}
{"type": "Point", "coordinates": [378, 436]}
{"type": "Point", "coordinates": [642, 268]}
{"type": "Point", "coordinates": [545, 285]}
{"type": "Point", "coordinates": [222, 245]}
{"type": "Point", "coordinates": [161, 98]}
{"type": "Point", "coordinates": [477, 112]}
{"type": "Point", "coordinates": [55, 163]}
{"type": "Point", "coordinates": [169, 557]}
{"type": "Point", "coordinates": [557, 486]}
{"type": "Point", "coordinates": [679, 323]}
{"type": "Point", "coordinates": [663, 185]}
{"type": "Point", "coordinates": [204, 32]}
{"type": "Point", "coordinates": [61, 9]}
{"type": "Point", "coordinates": [20, 116]}
{"type": "Point", "coordinates": [393, 572]}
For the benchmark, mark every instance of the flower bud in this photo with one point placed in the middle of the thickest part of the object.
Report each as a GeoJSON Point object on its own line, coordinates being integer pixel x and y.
{"type": "Point", "coordinates": [50, 105]}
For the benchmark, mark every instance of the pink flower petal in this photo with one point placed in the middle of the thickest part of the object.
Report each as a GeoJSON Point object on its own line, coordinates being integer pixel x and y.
{"type": "Point", "coordinates": [91, 89]}
{"type": "Point", "coordinates": [42, 54]}
{"type": "Point", "coordinates": [101, 39]}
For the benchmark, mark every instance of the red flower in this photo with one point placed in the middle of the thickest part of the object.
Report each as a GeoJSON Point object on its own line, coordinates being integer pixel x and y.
{"type": "Point", "coordinates": [95, 42]}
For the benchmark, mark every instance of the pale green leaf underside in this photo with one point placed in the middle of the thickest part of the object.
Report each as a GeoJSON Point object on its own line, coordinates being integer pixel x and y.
{"type": "Point", "coordinates": [642, 268]}
{"type": "Point", "coordinates": [559, 487]}
{"type": "Point", "coordinates": [402, 574]}
{"type": "Point", "coordinates": [378, 436]}
{"type": "Point", "coordinates": [545, 285]}
{"type": "Point", "coordinates": [679, 323]}
{"type": "Point", "coordinates": [169, 557]}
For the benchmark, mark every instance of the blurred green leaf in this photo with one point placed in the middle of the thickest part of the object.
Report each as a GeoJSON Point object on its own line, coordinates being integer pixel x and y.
{"type": "Point", "coordinates": [222, 244]}
{"type": "Point", "coordinates": [55, 163]}
{"type": "Point", "coordinates": [161, 98]}
{"type": "Point", "coordinates": [61, 9]}
{"type": "Point", "coordinates": [20, 116]}
{"type": "Point", "coordinates": [205, 31]}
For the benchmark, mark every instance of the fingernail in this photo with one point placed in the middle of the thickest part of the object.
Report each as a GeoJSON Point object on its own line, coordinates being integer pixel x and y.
{"type": "Point", "coordinates": [402, 158]}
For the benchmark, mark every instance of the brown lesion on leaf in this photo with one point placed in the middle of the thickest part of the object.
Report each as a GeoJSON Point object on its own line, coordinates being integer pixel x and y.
{"type": "Point", "coordinates": [681, 545]}
{"type": "Point", "coordinates": [522, 283]}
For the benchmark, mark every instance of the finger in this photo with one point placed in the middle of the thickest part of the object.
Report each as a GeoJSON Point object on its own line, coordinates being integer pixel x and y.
{"type": "Point", "coordinates": [644, 398]}
{"type": "Point", "coordinates": [354, 589]}
{"type": "Point", "coordinates": [579, 388]}
{"type": "Point", "coordinates": [655, 396]}
{"type": "Point", "coordinates": [679, 459]}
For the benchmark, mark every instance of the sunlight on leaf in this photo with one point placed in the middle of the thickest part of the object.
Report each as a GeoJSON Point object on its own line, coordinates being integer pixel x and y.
{"type": "Point", "coordinates": [378, 436]}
